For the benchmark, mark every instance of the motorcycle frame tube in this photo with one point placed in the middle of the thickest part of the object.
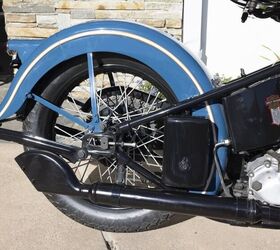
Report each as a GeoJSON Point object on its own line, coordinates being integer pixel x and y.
{"type": "Point", "coordinates": [211, 96]}
{"type": "Point", "coordinates": [72, 153]}
{"type": "Point", "coordinates": [184, 74]}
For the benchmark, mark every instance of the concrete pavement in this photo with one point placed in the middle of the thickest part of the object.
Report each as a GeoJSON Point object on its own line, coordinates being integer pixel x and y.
{"type": "Point", "coordinates": [29, 221]}
{"type": "Point", "coordinates": [198, 234]}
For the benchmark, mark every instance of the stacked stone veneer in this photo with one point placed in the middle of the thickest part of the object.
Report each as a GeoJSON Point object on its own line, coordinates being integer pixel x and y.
{"type": "Point", "coordinates": [37, 19]}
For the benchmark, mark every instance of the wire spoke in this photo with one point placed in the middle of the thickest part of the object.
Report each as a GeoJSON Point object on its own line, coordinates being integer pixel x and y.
{"type": "Point", "coordinates": [74, 137]}
{"type": "Point", "coordinates": [81, 104]}
{"type": "Point", "coordinates": [61, 129]}
{"type": "Point", "coordinates": [120, 96]}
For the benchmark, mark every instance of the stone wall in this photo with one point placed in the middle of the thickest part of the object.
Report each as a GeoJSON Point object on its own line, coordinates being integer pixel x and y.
{"type": "Point", "coordinates": [37, 19]}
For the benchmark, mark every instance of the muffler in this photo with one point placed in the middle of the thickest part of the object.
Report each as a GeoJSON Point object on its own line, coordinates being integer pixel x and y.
{"type": "Point", "coordinates": [50, 173]}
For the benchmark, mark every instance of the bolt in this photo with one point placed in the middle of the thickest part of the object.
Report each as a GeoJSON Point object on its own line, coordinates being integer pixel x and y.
{"type": "Point", "coordinates": [29, 96]}
{"type": "Point", "coordinates": [257, 185]}
{"type": "Point", "coordinates": [82, 154]}
{"type": "Point", "coordinates": [239, 186]}
{"type": "Point", "coordinates": [251, 175]}
{"type": "Point", "coordinates": [227, 142]}
{"type": "Point", "coordinates": [251, 192]}
{"type": "Point", "coordinates": [267, 164]}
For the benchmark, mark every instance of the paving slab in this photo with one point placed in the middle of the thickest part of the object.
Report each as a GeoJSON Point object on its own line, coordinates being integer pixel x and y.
{"type": "Point", "coordinates": [29, 221]}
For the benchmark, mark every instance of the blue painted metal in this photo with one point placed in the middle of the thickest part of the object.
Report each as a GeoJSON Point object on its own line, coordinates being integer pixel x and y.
{"type": "Point", "coordinates": [95, 123]}
{"type": "Point", "coordinates": [180, 83]}
{"type": "Point", "coordinates": [24, 48]}
{"type": "Point", "coordinates": [60, 111]}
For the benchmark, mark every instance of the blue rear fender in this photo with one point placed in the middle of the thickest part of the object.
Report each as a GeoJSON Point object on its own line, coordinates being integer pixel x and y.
{"type": "Point", "coordinates": [174, 63]}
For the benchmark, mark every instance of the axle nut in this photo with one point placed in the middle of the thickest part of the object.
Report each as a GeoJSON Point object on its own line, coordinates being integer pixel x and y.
{"type": "Point", "coordinates": [82, 154]}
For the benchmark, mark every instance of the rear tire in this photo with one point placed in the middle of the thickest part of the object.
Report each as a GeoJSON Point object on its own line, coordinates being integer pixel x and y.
{"type": "Point", "coordinates": [41, 122]}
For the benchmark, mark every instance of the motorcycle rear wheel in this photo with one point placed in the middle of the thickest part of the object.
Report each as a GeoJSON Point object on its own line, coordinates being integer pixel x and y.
{"type": "Point", "coordinates": [43, 122]}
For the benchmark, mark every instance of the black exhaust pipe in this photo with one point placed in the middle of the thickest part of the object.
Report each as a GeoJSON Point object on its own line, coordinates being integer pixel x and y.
{"type": "Point", "coordinates": [50, 173]}
{"type": "Point", "coordinates": [222, 208]}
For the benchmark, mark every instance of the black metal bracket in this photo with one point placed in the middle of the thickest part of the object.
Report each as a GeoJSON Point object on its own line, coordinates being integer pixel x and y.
{"type": "Point", "coordinates": [104, 144]}
{"type": "Point", "coordinates": [123, 158]}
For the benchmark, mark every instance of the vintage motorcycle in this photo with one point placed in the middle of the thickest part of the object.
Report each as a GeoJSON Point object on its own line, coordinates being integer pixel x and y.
{"type": "Point", "coordinates": [124, 130]}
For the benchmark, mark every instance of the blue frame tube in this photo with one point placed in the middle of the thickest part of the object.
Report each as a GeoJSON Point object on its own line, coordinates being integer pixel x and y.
{"type": "Point", "coordinates": [95, 123]}
{"type": "Point", "coordinates": [60, 111]}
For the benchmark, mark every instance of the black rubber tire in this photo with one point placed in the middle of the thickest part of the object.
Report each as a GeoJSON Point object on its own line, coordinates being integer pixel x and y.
{"type": "Point", "coordinates": [98, 217]}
